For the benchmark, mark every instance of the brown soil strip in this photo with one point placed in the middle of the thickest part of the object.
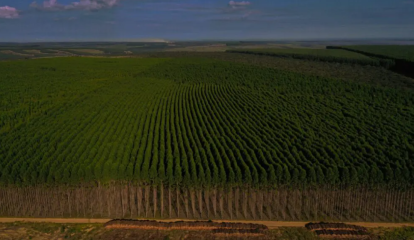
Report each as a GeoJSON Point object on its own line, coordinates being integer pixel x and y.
{"type": "Point", "coordinates": [269, 224]}
{"type": "Point", "coordinates": [184, 225]}
{"type": "Point", "coordinates": [338, 230]}
{"type": "Point", "coordinates": [239, 235]}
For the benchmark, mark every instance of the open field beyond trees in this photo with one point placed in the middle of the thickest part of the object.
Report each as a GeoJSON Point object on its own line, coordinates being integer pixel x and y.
{"type": "Point", "coordinates": [203, 138]}
{"type": "Point", "coordinates": [97, 231]}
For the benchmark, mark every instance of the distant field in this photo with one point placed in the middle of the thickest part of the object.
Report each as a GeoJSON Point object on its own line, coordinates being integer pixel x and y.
{"type": "Point", "coordinates": [9, 52]}
{"type": "Point", "coordinates": [34, 51]}
{"type": "Point", "coordinates": [405, 52]}
{"type": "Point", "coordinates": [87, 51]}
{"type": "Point", "coordinates": [308, 51]}
{"type": "Point", "coordinates": [324, 55]}
{"type": "Point", "coordinates": [4, 56]}
{"type": "Point", "coordinates": [212, 48]}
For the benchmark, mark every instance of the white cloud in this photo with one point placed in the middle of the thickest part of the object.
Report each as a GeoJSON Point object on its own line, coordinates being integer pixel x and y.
{"type": "Point", "coordinates": [92, 4]}
{"type": "Point", "coordinates": [8, 12]}
{"type": "Point", "coordinates": [50, 4]}
{"type": "Point", "coordinates": [239, 4]}
{"type": "Point", "coordinates": [53, 5]}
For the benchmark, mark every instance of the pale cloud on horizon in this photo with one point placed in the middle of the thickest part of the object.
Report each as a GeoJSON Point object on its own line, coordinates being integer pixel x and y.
{"type": "Point", "coordinates": [8, 12]}
{"type": "Point", "coordinates": [53, 5]}
{"type": "Point", "coordinates": [239, 4]}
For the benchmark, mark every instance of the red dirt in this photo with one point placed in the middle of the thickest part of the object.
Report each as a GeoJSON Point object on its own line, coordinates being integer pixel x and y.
{"type": "Point", "coordinates": [269, 224]}
{"type": "Point", "coordinates": [185, 225]}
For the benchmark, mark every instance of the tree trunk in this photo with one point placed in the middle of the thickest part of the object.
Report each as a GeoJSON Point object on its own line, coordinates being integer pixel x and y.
{"type": "Point", "coordinates": [83, 201]}
{"type": "Point", "coordinates": [214, 200]}
{"type": "Point", "coordinates": [69, 205]}
{"type": "Point", "coordinates": [186, 202]}
{"type": "Point", "coordinates": [77, 200]}
{"type": "Point", "coordinates": [245, 203]}
{"type": "Point", "coordinates": [155, 195]}
{"type": "Point", "coordinates": [270, 201]}
{"type": "Point", "coordinates": [147, 200]}
{"type": "Point", "coordinates": [193, 201]}
{"type": "Point", "coordinates": [200, 203]}
{"type": "Point", "coordinates": [230, 202]}
{"type": "Point", "coordinates": [162, 200]}
{"type": "Point", "coordinates": [169, 201]}
{"type": "Point", "coordinates": [236, 202]}
{"type": "Point", "coordinates": [178, 202]}
{"type": "Point", "coordinates": [261, 204]}
{"type": "Point", "coordinates": [122, 200]}
{"type": "Point", "coordinates": [129, 199]}
{"type": "Point", "coordinates": [206, 199]}
{"type": "Point", "coordinates": [221, 202]}
{"type": "Point", "coordinates": [139, 198]}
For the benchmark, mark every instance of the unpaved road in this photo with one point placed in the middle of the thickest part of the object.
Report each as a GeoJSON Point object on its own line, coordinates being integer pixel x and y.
{"type": "Point", "coordinates": [269, 224]}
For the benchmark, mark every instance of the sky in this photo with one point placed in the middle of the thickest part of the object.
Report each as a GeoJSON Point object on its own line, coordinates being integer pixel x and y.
{"type": "Point", "coordinates": [131, 20]}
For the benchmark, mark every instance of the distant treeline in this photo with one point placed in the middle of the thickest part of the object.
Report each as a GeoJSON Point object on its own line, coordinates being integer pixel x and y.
{"type": "Point", "coordinates": [396, 52]}
{"type": "Point", "coordinates": [401, 56]}
{"type": "Point", "coordinates": [387, 63]}
{"type": "Point", "coordinates": [372, 75]}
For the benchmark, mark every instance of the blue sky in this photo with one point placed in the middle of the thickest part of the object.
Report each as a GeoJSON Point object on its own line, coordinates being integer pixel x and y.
{"type": "Point", "coordinates": [118, 20]}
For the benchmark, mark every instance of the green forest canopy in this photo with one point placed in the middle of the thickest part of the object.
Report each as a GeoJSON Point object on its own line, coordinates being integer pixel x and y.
{"type": "Point", "coordinates": [405, 52]}
{"type": "Point", "coordinates": [308, 51]}
{"type": "Point", "coordinates": [197, 122]}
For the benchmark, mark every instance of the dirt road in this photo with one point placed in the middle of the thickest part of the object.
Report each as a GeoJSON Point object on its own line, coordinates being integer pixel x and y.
{"type": "Point", "coordinates": [269, 224]}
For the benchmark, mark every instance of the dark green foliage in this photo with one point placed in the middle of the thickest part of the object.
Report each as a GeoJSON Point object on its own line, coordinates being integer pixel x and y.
{"type": "Point", "coordinates": [378, 76]}
{"type": "Point", "coordinates": [402, 52]}
{"type": "Point", "coordinates": [399, 58]}
{"type": "Point", "coordinates": [198, 122]}
{"type": "Point", "coordinates": [323, 55]}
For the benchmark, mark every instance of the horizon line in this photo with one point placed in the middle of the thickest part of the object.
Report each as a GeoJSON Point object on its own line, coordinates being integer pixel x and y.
{"type": "Point", "coordinates": [209, 40]}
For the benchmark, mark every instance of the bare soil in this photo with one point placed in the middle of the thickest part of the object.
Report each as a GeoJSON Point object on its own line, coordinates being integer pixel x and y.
{"type": "Point", "coordinates": [269, 224]}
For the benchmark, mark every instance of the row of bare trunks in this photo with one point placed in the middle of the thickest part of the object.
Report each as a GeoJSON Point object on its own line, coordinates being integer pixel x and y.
{"type": "Point", "coordinates": [137, 201]}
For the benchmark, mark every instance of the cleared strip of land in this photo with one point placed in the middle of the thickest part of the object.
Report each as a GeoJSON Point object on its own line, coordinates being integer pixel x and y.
{"type": "Point", "coordinates": [269, 224]}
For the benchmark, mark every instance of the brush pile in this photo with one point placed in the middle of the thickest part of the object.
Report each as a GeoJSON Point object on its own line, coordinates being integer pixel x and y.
{"type": "Point", "coordinates": [338, 230]}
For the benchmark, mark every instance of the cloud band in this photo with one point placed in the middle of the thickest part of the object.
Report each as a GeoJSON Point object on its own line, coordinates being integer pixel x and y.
{"type": "Point", "coordinates": [239, 4]}
{"type": "Point", "coordinates": [53, 5]}
{"type": "Point", "coordinates": [8, 12]}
